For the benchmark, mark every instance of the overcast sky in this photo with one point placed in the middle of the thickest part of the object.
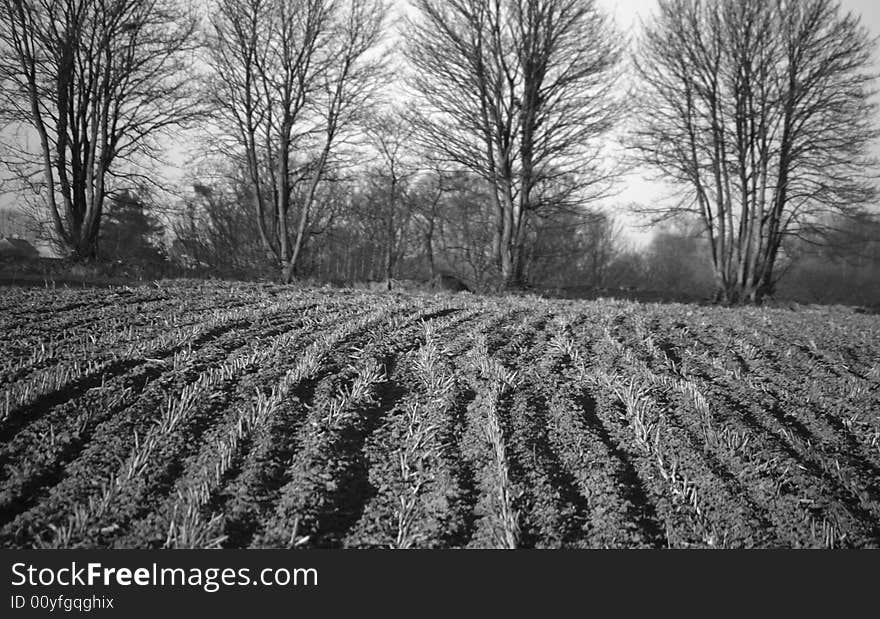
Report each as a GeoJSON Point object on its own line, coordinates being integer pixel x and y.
{"type": "Point", "coordinates": [634, 187]}
{"type": "Point", "coordinates": [627, 10]}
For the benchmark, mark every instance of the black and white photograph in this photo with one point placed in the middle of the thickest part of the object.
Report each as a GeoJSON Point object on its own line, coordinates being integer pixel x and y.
{"type": "Point", "coordinates": [438, 274]}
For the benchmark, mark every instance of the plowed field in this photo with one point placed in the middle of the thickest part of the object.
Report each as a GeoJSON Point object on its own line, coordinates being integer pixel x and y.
{"type": "Point", "coordinates": [199, 415]}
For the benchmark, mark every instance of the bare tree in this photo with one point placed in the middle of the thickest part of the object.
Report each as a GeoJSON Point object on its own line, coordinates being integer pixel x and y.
{"type": "Point", "coordinates": [602, 240]}
{"type": "Point", "coordinates": [291, 79]}
{"type": "Point", "coordinates": [214, 227]}
{"type": "Point", "coordinates": [95, 81]}
{"type": "Point", "coordinates": [517, 91]}
{"type": "Point", "coordinates": [463, 233]}
{"type": "Point", "coordinates": [425, 204]}
{"type": "Point", "coordinates": [573, 250]}
{"type": "Point", "coordinates": [389, 134]}
{"type": "Point", "coordinates": [763, 112]}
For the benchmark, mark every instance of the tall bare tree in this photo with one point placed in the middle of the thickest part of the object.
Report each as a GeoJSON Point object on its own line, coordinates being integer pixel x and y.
{"type": "Point", "coordinates": [762, 111]}
{"type": "Point", "coordinates": [291, 79]}
{"type": "Point", "coordinates": [517, 91]}
{"type": "Point", "coordinates": [389, 134]}
{"type": "Point", "coordinates": [426, 193]}
{"type": "Point", "coordinates": [95, 81]}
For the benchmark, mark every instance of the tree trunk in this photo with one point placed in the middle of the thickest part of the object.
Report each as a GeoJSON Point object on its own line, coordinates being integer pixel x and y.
{"type": "Point", "coordinates": [390, 240]}
{"type": "Point", "coordinates": [86, 248]}
{"type": "Point", "coordinates": [389, 265]}
{"type": "Point", "coordinates": [287, 272]}
{"type": "Point", "coordinates": [283, 188]}
{"type": "Point", "coordinates": [429, 249]}
{"type": "Point", "coordinates": [507, 242]}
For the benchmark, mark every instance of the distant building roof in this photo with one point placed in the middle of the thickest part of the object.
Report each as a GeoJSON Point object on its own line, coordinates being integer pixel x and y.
{"type": "Point", "coordinates": [17, 247]}
{"type": "Point", "coordinates": [47, 248]}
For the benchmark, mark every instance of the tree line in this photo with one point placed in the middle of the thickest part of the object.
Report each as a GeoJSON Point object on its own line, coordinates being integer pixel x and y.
{"type": "Point", "coordinates": [486, 159]}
